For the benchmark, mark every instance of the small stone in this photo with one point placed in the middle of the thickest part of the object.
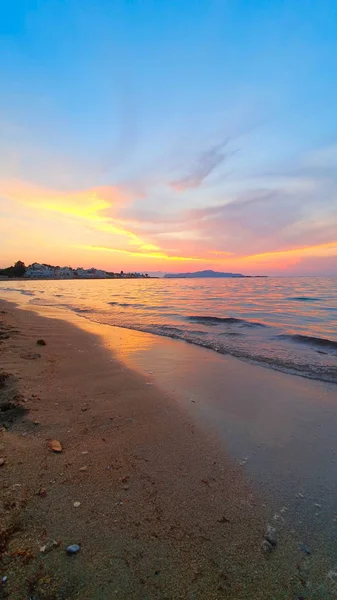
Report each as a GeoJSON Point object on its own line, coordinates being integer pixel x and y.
{"type": "Point", "coordinates": [77, 504]}
{"type": "Point", "coordinates": [332, 575]}
{"type": "Point", "coordinates": [270, 535]}
{"type": "Point", "coordinates": [4, 579]}
{"type": "Point", "coordinates": [85, 452]}
{"type": "Point", "coordinates": [41, 342]}
{"type": "Point", "coordinates": [42, 492]}
{"type": "Point", "coordinates": [83, 468]}
{"type": "Point", "coordinates": [49, 546]}
{"type": "Point", "coordinates": [84, 409]}
{"type": "Point", "coordinates": [55, 445]}
{"type": "Point", "coordinates": [73, 549]}
{"type": "Point", "coordinates": [2, 461]}
{"type": "Point", "coordinates": [304, 548]}
{"type": "Point", "coordinates": [317, 505]}
{"type": "Point", "coordinates": [266, 547]}
{"type": "Point", "coordinates": [36, 422]}
{"type": "Point", "coordinates": [278, 518]}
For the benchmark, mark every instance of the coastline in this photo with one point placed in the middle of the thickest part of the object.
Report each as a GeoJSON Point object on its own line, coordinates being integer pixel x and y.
{"type": "Point", "coordinates": [164, 512]}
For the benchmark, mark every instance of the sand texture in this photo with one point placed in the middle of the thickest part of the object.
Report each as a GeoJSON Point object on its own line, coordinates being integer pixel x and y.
{"type": "Point", "coordinates": [158, 509]}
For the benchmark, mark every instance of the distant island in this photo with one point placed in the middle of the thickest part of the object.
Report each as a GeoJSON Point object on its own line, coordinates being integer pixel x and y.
{"type": "Point", "coordinates": [45, 271]}
{"type": "Point", "coordinates": [207, 273]}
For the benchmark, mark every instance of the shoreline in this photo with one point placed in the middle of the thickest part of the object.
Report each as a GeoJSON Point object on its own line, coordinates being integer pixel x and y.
{"type": "Point", "coordinates": [309, 354]}
{"type": "Point", "coordinates": [164, 511]}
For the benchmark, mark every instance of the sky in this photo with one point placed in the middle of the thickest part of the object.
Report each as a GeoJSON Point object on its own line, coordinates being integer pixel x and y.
{"type": "Point", "coordinates": [169, 135]}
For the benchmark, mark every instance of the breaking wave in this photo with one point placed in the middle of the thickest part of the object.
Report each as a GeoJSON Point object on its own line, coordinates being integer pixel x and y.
{"type": "Point", "coordinates": [305, 298]}
{"type": "Point", "coordinates": [309, 339]}
{"type": "Point", "coordinates": [206, 320]}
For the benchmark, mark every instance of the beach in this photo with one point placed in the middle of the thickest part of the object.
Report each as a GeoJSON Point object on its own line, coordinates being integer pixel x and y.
{"type": "Point", "coordinates": [157, 506]}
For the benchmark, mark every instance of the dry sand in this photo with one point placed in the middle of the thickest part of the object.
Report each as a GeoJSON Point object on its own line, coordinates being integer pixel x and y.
{"type": "Point", "coordinates": [163, 513]}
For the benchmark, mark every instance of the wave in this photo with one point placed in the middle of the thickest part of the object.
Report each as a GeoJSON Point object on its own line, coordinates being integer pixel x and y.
{"type": "Point", "coordinates": [21, 291]}
{"type": "Point", "coordinates": [167, 329]}
{"type": "Point", "coordinates": [224, 342]}
{"type": "Point", "coordinates": [137, 305]}
{"type": "Point", "coordinates": [320, 372]}
{"type": "Point", "coordinates": [206, 320]}
{"type": "Point", "coordinates": [305, 298]}
{"type": "Point", "coordinates": [309, 339]}
{"type": "Point", "coordinates": [75, 309]}
{"type": "Point", "coordinates": [125, 304]}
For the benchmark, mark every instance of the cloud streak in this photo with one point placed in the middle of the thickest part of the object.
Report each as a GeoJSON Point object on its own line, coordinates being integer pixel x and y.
{"type": "Point", "coordinates": [205, 164]}
{"type": "Point", "coordinates": [290, 220]}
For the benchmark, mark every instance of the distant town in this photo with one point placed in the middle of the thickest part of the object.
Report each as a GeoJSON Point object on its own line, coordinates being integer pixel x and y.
{"type": "Point", "coordinates": [45, 271]}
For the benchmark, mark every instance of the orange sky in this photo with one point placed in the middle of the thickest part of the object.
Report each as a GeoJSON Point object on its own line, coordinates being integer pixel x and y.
{"type": "Point", "coordinates": [97, 227]}
{"type": "Point", "coordinates": [169, 136]}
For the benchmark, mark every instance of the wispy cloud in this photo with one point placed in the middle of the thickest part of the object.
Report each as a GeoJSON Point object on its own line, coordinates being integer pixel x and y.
{"type": "Point", "coordinates": [289, 220]}
{"type": "Point", "coordinates": [203, 166]}
{"type": "Point", "coordinates": [143, 252]}
{"type": "Point", "coordinates": [89, 206]}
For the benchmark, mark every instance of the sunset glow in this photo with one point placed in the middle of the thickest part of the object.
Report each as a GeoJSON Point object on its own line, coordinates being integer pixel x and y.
{"type": "Point", "coordinates": [182, 172]}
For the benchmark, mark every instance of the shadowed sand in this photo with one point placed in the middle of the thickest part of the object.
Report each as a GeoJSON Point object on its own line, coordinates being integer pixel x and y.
{"type": "Point", "coordinates": [163, 514]}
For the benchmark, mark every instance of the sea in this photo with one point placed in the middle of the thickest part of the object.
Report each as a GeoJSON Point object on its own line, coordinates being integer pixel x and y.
{"type": "Point", "coordinates": [288, 324]}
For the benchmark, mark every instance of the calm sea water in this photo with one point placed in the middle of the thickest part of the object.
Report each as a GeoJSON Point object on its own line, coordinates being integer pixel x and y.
{"type": "Point", "coordinates": [289, 324]}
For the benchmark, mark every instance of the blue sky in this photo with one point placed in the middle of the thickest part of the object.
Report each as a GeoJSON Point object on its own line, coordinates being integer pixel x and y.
{"type": "Point", "coordinates": [181, 106]}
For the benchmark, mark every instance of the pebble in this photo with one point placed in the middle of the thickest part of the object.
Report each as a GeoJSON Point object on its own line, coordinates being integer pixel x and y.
{"type": "Point", "coordinates": [55, 445]}
{"type": "Point", "coordinates": [48, 547]}
{"type": "Point", "coordinates": [2, 462]}
{"type": "Point", "coordinates": [266, 547]}
{"type": "Point", "coordinates": [73, 549]}
{"type": "Point", "coordinates": [278, 518]}
{"type": "Point", "coordinates": [332, 575]}
{"type": "Point", "coordinates": [4, 579]}
{"type": "Point", "coordinates": [83, 468]}
{"type": "Point", "coordinates": [77, 504]}
{"type": "Point", "coordinates": [85, 452]}
{"type": "Point", "coordinates": [304, 548]}
{"type": "Point", "coordinates": [270, 535]}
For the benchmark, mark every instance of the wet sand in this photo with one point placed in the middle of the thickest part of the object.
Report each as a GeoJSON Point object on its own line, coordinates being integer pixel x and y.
{"type": "Point", "coordinates": [164, 512]}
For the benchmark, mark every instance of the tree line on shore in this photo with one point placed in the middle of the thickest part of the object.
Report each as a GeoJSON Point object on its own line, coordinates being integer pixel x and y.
{"type": "Point", "coordinates": [17, 270]}
{"type": "Point", "coordinates": [43, 271]}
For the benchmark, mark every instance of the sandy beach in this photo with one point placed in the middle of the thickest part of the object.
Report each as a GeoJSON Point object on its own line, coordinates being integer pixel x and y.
{"type": "Point", "coordinates": [157, 506]}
